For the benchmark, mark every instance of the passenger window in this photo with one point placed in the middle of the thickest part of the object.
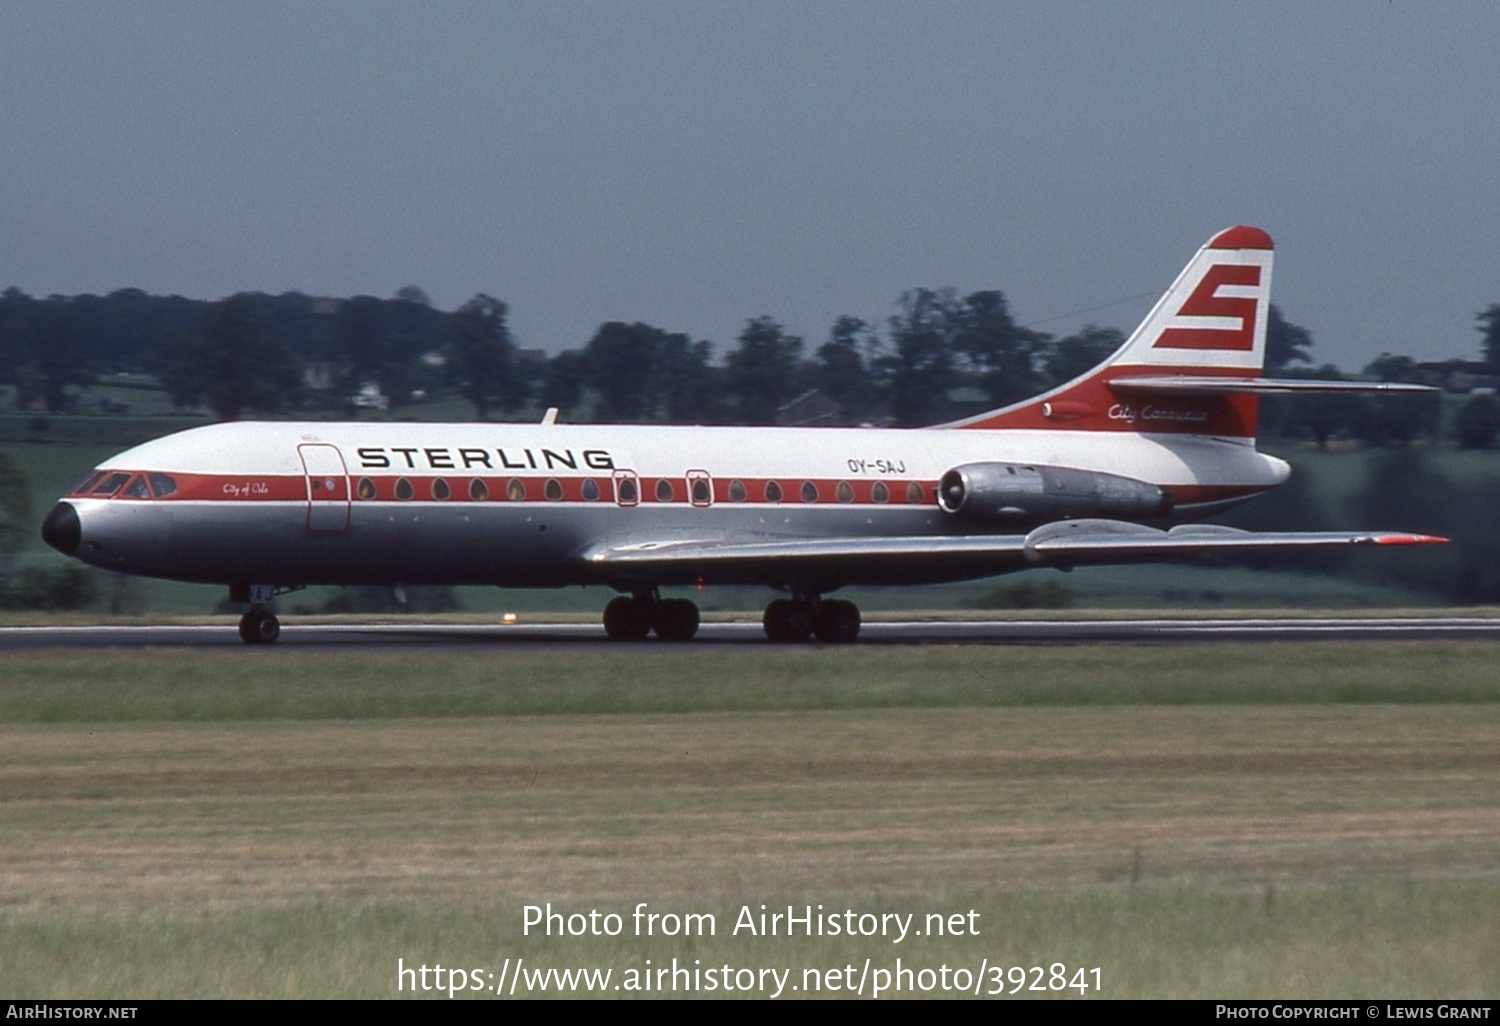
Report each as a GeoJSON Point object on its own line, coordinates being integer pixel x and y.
{"type": "Point", "coordinates": [914, 493]}
{"type": "Point", "coordinates": [366, 489]}
{"type": "Point", "coordinates": [809, 492]}
{"type": "Point", "coordinates": [516, 490]}
{"type": "Point", "coordinates": [554, 489]}
{"type": "Point", "coordinates": [590, 490]}
{"type": "Point", "coordinates": [478, 490]}
{"type": "Point", "coordinates": [737, 491]}
{"type": "Point", "coordinates": [773, 491]}
{"type": "Point", "coordinates": [628, 491]}
{"type": "Point", "coordinates": [845, 492]}
{"type": "Point", "coordinates": [440, 489]}
{"type": "Point", "coordinates": [664, 491]}
{"type": "Point", "coordinates": [404, 489]}
{"type": "Point", "coordinates": [700, 491]}
{"type": "Point", "coordinates": [162, 485]}
{"type": "Point", "coordinates": [880, 493]}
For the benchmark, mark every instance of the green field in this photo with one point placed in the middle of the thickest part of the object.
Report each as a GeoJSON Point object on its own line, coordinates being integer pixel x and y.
{"type": "Point", "coordinates": [1217, 821]}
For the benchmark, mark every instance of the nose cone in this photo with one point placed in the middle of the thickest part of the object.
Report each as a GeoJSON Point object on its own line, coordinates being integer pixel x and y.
{"type": "Point", "coordinates": [61, 529]}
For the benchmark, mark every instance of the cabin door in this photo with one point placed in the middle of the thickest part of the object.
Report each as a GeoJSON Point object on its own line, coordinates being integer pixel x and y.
{"type": "Point", "coordinates": [327, 488]}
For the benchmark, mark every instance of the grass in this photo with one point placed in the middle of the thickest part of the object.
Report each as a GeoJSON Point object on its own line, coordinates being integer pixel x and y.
{"type": "Point", "coordinates": [1149, 940]}
{"type": "Point", "coordinates": [281, 684]}
{"type": "Point", "coordinates": [1220, 821]}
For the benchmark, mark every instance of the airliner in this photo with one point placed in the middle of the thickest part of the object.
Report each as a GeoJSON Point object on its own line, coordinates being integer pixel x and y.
{"type": "Point", "coordinates": [1116, 466]}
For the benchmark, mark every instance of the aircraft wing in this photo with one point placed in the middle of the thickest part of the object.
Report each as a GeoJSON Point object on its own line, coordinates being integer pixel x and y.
{"type": "Point", "coordinates": [1063, 544]}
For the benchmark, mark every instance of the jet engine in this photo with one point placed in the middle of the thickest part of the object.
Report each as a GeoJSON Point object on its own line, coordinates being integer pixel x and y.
{"type": "Point", "coordinates": [1011, 492]}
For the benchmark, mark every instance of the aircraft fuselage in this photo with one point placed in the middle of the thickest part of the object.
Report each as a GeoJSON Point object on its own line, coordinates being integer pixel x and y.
{"type": "Point", "coordinates": [517, 505]}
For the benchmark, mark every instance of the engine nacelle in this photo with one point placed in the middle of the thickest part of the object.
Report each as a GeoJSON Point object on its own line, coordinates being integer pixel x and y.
{"type": "Point", "coordinates": [1020, 492]}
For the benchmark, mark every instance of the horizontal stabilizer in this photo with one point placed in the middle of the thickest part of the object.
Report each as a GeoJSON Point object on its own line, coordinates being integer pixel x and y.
{"type": "Point", "coordinates": [1180, 385]}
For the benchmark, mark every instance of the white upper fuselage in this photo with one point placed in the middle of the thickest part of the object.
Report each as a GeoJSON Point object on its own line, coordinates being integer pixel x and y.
{"type": "Point", "coordinates": [459, 451]}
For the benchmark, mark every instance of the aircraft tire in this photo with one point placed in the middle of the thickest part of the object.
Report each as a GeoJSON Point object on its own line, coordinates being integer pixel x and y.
{"type": "Point", "coordinates": [787, 621]}
{"type": "Point", "coordinates": [259, 627]}
{"type": "Point", "coordinates": [676, 620]}
{"type": "Point", "coordinates": [625, 619]}
{"type": "Point", "coordinates": [837, 621]}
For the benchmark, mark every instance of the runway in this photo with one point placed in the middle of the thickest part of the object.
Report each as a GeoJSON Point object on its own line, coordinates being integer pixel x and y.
{"type": "Point", "coordinates": [543, 635]}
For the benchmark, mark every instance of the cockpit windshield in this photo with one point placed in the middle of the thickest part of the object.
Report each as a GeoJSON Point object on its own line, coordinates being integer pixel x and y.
{"type": "Point", "coordinates": [104, 484]}
{"type": "Point", "coordinates": [110, 484]}
{"type": "Point", "coordinates": [82, 487]}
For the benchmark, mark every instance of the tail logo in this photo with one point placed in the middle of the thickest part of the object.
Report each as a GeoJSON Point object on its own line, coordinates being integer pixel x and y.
{"type": "Point", "coordinates": [1221, 311]}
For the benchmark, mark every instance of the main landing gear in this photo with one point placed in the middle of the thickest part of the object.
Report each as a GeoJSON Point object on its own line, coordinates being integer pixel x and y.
{"type": "Point", "coordinates": [835, 621]}
{"type": "Point", "coordinates": [631, 619]}
{"type": "Point", "coordinates": [796, 619]}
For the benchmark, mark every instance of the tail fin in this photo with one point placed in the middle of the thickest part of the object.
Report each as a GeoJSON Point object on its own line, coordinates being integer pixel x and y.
{"type": "Point", "coordinates": [1189, 368]}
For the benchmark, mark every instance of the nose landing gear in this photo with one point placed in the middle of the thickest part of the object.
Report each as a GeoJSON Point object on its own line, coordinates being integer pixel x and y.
{"type": "Point", "coordinates": [259, 625]}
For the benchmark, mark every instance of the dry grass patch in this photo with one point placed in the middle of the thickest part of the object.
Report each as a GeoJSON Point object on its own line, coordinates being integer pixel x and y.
{"type": "Point", "coordinates": [591, 806]}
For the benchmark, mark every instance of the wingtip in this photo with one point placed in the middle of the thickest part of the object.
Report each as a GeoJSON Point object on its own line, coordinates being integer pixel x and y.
{"type": "Point", "coordinates": [1410, 539]}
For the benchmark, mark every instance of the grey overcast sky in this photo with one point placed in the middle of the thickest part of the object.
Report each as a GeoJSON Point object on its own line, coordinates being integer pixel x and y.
{"type": "Point", "coordinates": [693, 165]}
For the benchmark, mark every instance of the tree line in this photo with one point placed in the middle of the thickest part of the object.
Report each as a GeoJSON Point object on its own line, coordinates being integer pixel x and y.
{"type": "Point", "coordinates": [938, 355]}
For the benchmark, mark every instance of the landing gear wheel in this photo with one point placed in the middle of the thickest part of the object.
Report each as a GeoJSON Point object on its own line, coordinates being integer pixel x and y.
{"type": "Point", "coordinates": [788, 620]}
{"type": "Point", "coordinates": [626, 619]}
{"type": "Point", "coordinates": [259, 627]}
{"type": "Point", "coordinates": [676, 620]}
{"type": "Point", "coordinates": [837, 621]}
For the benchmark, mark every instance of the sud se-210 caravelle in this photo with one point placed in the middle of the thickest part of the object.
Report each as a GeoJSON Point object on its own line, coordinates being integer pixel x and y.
{"type": "Point", "coordinates": [1112, 467]}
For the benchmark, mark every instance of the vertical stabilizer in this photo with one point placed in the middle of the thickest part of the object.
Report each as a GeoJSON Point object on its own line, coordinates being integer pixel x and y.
{"type": "Point", "coordinates": [1210, 324]}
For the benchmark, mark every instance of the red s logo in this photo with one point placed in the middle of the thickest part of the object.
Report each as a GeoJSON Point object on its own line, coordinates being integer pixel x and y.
{"type": "Point", "coordinates": [1205, 302]}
